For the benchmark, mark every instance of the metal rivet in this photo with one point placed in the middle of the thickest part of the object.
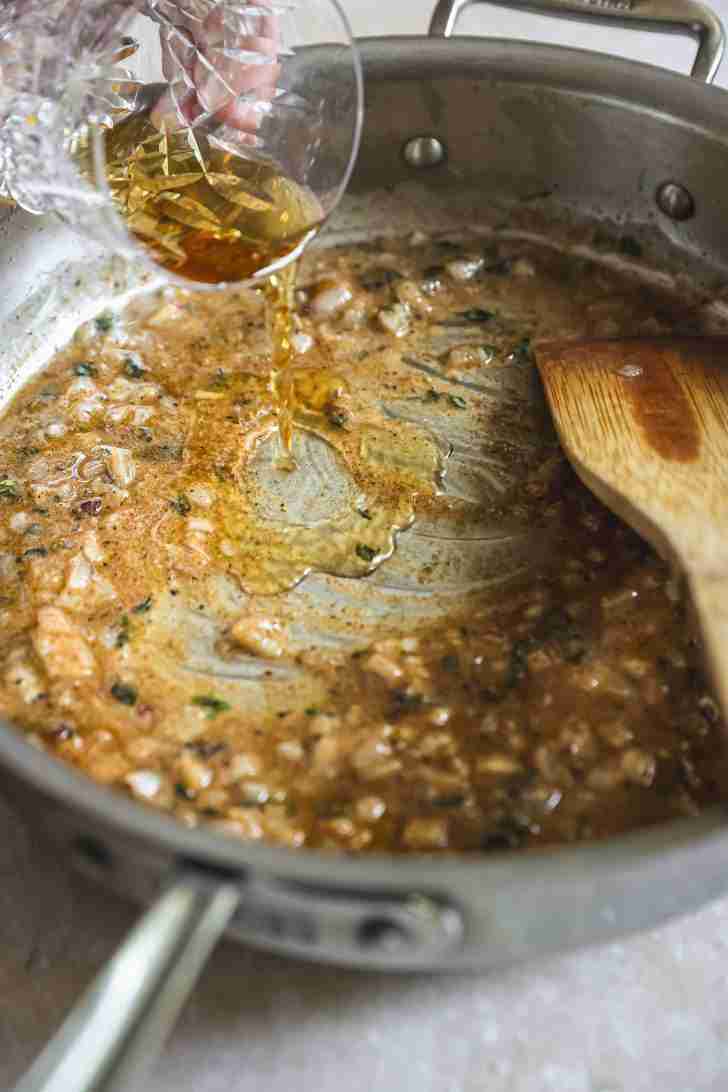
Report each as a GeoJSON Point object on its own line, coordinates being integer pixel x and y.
{"type": "Point", "coordinates": [424, 151]}
{"type": "Point", "coordinates": [675, 201]}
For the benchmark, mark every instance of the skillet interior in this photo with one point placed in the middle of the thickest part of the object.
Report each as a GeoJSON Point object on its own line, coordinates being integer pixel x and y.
{"type": "Point", "coordinates": [546, 147]}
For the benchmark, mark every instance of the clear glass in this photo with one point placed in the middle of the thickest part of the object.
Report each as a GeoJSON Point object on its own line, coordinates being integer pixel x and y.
{"type": "Point", "coordinates": [241, 118]}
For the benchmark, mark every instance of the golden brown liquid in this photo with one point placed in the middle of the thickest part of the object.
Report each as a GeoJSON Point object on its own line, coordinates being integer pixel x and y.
{"type": "Point", "coordinates": [423, 709]}
{"type": "Point", "coordinates": [279, 313]}
{"type": "Point", "coordinates": [213, 217]}
{"type": "Point", "coordinates": [200, 211]}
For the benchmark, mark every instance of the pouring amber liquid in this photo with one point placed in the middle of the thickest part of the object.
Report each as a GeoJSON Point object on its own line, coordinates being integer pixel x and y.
{"type": "Point", "coordinates": [212, 217]}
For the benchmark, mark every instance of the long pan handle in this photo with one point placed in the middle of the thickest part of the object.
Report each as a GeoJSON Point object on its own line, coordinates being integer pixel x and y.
{"type": "Point", "coordinates": [116, 1031]}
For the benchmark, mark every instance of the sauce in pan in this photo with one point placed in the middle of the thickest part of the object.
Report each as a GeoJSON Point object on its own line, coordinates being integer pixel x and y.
{"type": "Point", "coordinates": [425, 636]}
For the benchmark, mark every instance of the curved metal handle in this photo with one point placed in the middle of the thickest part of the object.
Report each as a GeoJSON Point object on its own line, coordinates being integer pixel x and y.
{"type": "Point", "coordinates": [117, 1029]}
{"type": "Point", "coordinates": [687, 16]}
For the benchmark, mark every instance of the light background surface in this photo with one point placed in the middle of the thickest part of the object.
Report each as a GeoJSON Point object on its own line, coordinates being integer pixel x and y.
{"type": "Point", "coordinates": [646, 1015]}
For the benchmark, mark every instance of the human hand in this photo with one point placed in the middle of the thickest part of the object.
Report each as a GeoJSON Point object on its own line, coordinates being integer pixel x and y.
{"type": "Point", "coordinates": [221, 60]}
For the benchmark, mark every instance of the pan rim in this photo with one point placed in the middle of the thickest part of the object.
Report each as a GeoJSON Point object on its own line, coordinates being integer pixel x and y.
{"type": "Point", "coordinates": [629, 83]}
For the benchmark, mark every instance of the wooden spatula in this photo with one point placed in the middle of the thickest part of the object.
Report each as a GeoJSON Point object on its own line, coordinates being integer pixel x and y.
{"type": "Point", "coordinates": [645, 425]}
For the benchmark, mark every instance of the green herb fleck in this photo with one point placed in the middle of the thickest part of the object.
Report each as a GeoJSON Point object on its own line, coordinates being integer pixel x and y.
{"type": "Point", "coordinates": [312, 711]}
{"type": "Point", "coordinates": [364, 513]}
{"type": "Point", "coordinates": [405, 699]}
{"type": "Point", "coordinates": [630, 246]}
{"type": "Point", "coordinates": [601, 240]}
{"type": "Point", "coordinates": [455, 800]}
{"type": "Point", "coordinates": [337, 418]}
{"type": "Point", "coordinates": [366, 553]}
{"type": "Point", "coordinates": [210, 704]}
{"type": "Point", "coordinates": [473, 314]}
{"type": "Point", "coordinates": [221, 473]}
{"type": "Point", "coordinates": [124, 693]}
{"type": "Point", "coordinates": [84, 368]}
{"type": "Point", "coordinates": [522, 352]}
{"type": "Point", "coordinates": [143, 607]}
{"type": "Point", "coordinates": [183, 792]}
{"type": "Point", "coordinates": [501, 268]}
{"type": "Point", "coordinates": [132, 368]}
{"type": "Point", "coordinates": [506, 835]}
{"type": "Point", "coordinates": [104, 322]}
{"type": "Point", "coordinates": [456, 401]}
{"type": "Point", "coordinates": [432, 395]}
{"type": "Point", "coordinates": [122, 637]}
{"type": "Point", "coordinates": [181, 505]}
{"type": "Point", "coordinates": [9, 489]}
{"type": "Point", "coordinates": [167, 452]}
{"type": "Point", "coordinates": [36, 551]}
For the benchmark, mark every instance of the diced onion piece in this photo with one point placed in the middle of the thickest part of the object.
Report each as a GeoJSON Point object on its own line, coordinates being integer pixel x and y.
{"type": "Point", "coordinates": [141, 415]}
{"type": "Point", "coordinates": [84, 411]}
{"type": "Point", "coordinates": [20, 521]}
{"type": "Point", "coordinates": [330, 297]}
{"type": "Point", "coordinates": [82, 388]}
{"type": "Point", "coordinates": [412, 296]}
{"type": "Point", "coordinates": [258, 635]}
{"type": "Point", "coordinates": [79, 574]}
{"type": "Point", "coordinates": [301, 343]}
{"type": "Point", "coordinates": [144, 783]}
{"type": "Point", "coordinates": [38, 470]}
{"type": "Point", "coordinates": [198, 494]}
{"type": "Point", "coordinates": [91, 547]}
{"type": "Point", "coordinates": [126, 390]}
{"type": "Point", "coordinates": [115, 415]}
{"type": "Point", "coordinates": [120, 465]}
{"type": "Point", "coordinates": [395, 319]}
{"type": "Point", "coordinates": [25, 680]}
{"type": "Point", "coordinates": [464, 269]}
{"type": "Point", "coordinates": [61, 645]}
{"type": "Point", "coordinates": [469, 356]}
{"type": "Point", "coordinates": [204, 526]}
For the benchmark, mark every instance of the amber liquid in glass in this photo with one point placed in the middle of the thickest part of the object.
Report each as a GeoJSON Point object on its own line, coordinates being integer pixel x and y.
{"type": "Point", "coordinates": [214, 217]}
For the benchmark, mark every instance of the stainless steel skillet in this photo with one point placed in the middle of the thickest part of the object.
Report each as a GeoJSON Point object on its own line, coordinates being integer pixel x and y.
{"type": "Point", "coordinates": [457, 131]}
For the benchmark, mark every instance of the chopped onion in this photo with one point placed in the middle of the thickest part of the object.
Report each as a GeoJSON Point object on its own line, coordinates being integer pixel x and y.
{"type": "Point", "coordinates": [395, 319]}
{"type": "Point", "coordinates": [194, 523]}
{"type": "Point", "coordinates": [331, 296]}
{"type": "Point", "coordinates": [301, 343]}
{"type": "Point", "coordinates": [120, 465]}
{"type": "Point", "coordinates": [464, 269]}
{"type": "Point", "coordinates": [144, 783]}
{"type": "Point", "coordinates": [20, 521]}
{"type": "Point", "coordinates": [198, 494]}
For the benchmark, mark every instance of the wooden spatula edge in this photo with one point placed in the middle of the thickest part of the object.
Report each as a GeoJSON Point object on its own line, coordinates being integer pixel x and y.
{"type": "Point", "coordinates": [644, 423]}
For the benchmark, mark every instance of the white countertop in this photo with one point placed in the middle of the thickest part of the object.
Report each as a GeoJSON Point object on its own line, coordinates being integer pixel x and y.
{"type": "Point", "coordinates": [646, 1015]}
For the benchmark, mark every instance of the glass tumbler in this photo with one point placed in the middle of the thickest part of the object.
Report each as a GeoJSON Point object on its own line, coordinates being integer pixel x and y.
{"type": "Point", "coordinates": [211, 138]}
